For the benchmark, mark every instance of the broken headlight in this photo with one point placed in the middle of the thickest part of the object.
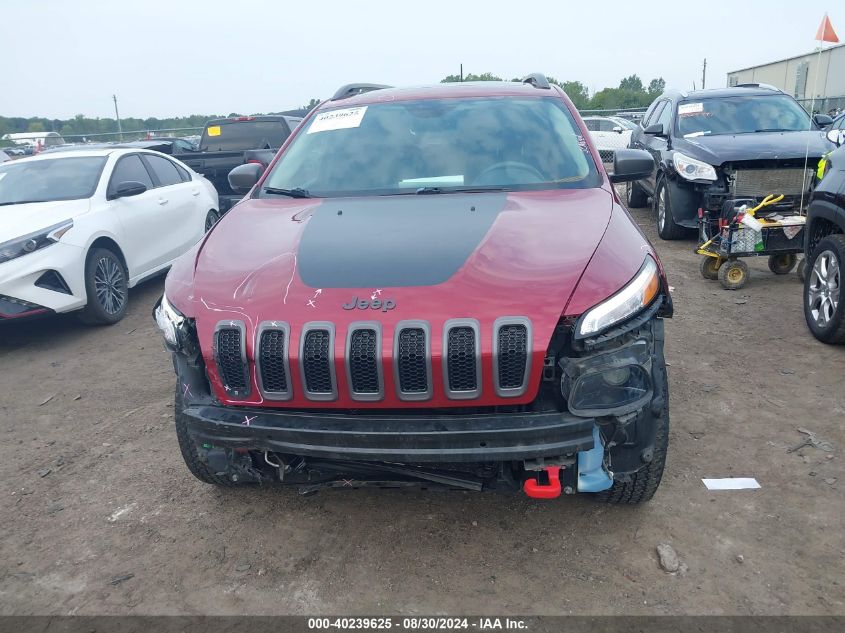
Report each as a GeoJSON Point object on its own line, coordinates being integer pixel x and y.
{"type": "Point", "coordinates": [610, 383]}
{"type": "Point", "coordinates": [171, 322]}
{"type": "Point", "coordinates": [635, 296]}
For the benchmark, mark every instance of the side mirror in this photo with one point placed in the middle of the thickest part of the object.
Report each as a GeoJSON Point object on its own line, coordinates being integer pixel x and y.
{"type": "Point", "coordinates": [837, 137]}
{"type": "Point", "coordinates": [655, 129]}
{"type": "Point", "coordinates": [243, 177]}
{"type": "Point", "coordinates": [822, 120]}
{"type": "Point", "coordinates": [631, 164]}
{"type": "Point", "coordinates": [618, 129]}
{"type": "Point", "coordinates": [129, 188]}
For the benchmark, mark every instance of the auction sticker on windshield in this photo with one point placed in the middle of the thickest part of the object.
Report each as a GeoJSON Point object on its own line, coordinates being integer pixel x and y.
{"type": "Point", "coordinates": [688, 109]}
{"type": "Point", "coordinates": [338, 120]}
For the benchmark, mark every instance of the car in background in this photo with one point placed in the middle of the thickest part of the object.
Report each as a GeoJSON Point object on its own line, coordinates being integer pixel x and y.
{"type": "Point", "coordinates": [824, 249]}
{"type": "Point", "coordinates": [838, 122]}
{"type": "Point", "coordinates": [78, 229]}
{"type": "Point", "coordinates": [227, 143]}
{"type": "Point", "coordinates": [713, 145]}
{"type": "Point", "coordinates": [609, 134]}
{"type": "Point", "coordinates": [400, 301]}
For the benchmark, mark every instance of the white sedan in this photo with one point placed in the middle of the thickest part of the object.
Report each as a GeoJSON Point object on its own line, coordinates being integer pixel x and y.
{"type": "Point", "coordinates": [609, 134]}
{"type": "Point", "coordinates": [78, 229]}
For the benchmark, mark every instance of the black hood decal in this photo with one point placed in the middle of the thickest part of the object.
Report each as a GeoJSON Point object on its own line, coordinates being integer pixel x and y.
{"type": "Point", "coordinates": [394, 241]}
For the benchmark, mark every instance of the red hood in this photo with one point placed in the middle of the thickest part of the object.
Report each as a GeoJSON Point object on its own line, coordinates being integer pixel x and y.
{"type": "Point", "coordinates": [519, 254]}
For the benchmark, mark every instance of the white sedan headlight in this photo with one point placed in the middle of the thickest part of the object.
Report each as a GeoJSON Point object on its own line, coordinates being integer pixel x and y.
{"type": "Point", "coordinates": [170, 321]}
{"type": "Point", "coordinates": [692, 169]}
{"type": "Point", "coordinates": [639, 292]}
{"type": "Point", "coordinates": [32, 242]}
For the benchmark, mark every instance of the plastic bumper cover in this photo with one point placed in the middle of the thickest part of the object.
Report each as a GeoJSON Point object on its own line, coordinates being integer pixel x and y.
{"type": "Point", "coordinates": [18, 277]}
{"type": "Point", "coordinates": [405, 438]}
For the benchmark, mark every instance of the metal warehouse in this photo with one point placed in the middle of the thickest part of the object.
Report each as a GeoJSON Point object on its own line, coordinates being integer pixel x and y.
{"type": "Point", "coordinates": [797, 76]}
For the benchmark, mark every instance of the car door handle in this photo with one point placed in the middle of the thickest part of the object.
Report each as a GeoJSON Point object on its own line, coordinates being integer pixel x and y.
{"type": "Point", "coordinates": [163, 201]}
{"type": "Point", "coordinates": [195, 192]}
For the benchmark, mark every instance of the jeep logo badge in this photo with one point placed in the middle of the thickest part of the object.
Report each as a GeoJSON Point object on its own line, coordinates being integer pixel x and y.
{"type": "Point", "coordinates": [366, 304]}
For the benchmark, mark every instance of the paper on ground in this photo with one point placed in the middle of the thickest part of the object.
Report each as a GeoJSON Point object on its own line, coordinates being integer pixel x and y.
{"type": "Point", "coordinates": [731, 483]}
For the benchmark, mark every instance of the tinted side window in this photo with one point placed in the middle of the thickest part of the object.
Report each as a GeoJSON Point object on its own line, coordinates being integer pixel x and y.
{"type": "Point", "coordinates": [665, 117]}
{"type": "Point", "coordinates": [648, 113]}
{"type": "Point", "coordinates": [656, 114]}
{"type": "Point", "coordinates": [129, 168]}
{"type": "Point", "coordinates": [183, 173]}
{"type": "Point", "coordinates": [606, 125]}
{"type": "Point", "coordinates": [164, 170]}
{"type": "Point", "coordinates": [592, 125]}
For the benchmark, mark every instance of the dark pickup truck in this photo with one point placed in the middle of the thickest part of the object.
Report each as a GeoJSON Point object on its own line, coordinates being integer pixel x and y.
{"type": "Point", "coordinates": [227, 143]}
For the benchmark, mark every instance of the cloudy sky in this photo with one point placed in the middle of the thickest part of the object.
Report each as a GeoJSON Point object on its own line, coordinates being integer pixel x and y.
{"type": "Point", "coordinates": [177, 57]}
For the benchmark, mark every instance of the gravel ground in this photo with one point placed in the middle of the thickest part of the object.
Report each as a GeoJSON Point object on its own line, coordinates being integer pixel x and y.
{"type": "Point", "coordinates": [100, 516]}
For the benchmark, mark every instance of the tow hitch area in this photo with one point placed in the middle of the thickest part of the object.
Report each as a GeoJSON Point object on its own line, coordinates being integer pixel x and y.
{"type": "Point", "coordinates": [535, 489]}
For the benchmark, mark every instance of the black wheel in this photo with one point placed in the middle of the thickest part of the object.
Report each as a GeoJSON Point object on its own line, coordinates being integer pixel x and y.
{"type": "Point", "coordinates": [188, 448]}
{"type": "Point", "coordinates": [643, 484]}
{"type": "Point", "coordinates": [782, 264]}
{"type": "Point", "coordinates": [107, 287]}
{"type": "Point", "coordinates": [635, 196]}
{"type": "Point", "coordinates": [802, 269]}
{"type": "Point", "coordinates": [710, 267]}
{"type": "Point", "coordinates": [664, 203]}
{"type": "Point", "coordinates": [823, 306]}
{"type": "Point", "coordinates": [733, 274]}
{"type": "Point", "coordinates": [211, 220]}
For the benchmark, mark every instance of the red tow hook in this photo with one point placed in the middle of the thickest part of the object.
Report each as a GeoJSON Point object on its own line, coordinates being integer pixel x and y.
{"type": "Point", "coordinates": [534, 489]}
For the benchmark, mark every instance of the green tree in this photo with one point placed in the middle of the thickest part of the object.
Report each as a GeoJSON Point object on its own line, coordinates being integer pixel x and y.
{"type": "Point", "coordinates": [656, 87]}
{"type": "Point", "coordinates": [632, 83]}
{"type": "Point", "coordinates": [470, 77]}
{"type": "Point", "coordinates": [35, 126]}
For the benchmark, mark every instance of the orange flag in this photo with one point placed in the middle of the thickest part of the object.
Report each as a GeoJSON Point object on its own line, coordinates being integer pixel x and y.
{"type": "Point", "coordinates": [826, 32]}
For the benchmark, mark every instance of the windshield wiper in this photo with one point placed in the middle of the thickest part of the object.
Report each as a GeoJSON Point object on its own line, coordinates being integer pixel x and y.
{"type": "Point", "coordinates": [431, 190]}
{"type": "Point", "coordinates": [774, 129]}
{"type": "Point", "coordinates": [296, 192]}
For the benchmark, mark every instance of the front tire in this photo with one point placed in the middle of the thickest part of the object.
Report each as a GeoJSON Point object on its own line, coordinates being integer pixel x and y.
{"type": "Point", "coordinates": [107, 288]}
{"type": "Point", "coordinates": [710, 267]}
{"type": "Point", "coordinates": [211, 219]}
{"type": "Point", "coordinates": [665, 198]}
{"type": "Point", "coordinates": [824, 310]}
{"type": "Point", "coordinates": [733, 274]}
{"type": "Point", "coordinates": [782, 264]}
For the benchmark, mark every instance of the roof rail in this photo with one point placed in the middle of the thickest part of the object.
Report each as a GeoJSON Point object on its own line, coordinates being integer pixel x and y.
{"type": "Point", "coordinates": [757, 85]}
{"type": "Point", "coordinates": [538, 80]}
{"type": "Point", "coordinates": [350, 90]}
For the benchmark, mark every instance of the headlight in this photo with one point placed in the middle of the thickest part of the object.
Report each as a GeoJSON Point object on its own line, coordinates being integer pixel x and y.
{"type": "Point", "coordinates": [170, 321]}
{"type": "Point", "coordinates": [26, 244]}
{"type": "Point", "coordinates": [631, 299]}
{"type": "Point", "coordinates": [692, 169]}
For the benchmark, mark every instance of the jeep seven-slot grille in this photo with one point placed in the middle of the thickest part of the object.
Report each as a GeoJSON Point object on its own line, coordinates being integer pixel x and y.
{"type": "Point", "coordinates": [274, 377]}
{"type": "Point", "coordinates": [363, 364]}
{"type": "Point", "coordinates": [316, 362]}
{"type": "Point", "coordinates": [230, 361]}
{"type": "Point", "coordinates": [461, 359]}
{"type": "Point", "coordinates": [412, 363]}
{"type": "Point", "coordinates": [513, 354]}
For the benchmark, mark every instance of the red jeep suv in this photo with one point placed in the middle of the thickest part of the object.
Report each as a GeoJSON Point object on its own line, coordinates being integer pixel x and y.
{"type": "Point", "coordinates": [431, 287]}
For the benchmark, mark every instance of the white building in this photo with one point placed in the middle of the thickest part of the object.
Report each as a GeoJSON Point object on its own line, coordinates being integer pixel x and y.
{"type": "Point", "coordinates": [797, 76]}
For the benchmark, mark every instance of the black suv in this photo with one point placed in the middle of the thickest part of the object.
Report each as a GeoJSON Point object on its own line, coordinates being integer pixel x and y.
{"type": "Point", "coordinates": [824, 249]}
{"type": "Point", "coordinates": [712, 145]}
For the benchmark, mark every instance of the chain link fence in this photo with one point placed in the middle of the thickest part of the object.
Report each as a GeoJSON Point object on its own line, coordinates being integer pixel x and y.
{"type": "Point", "coordinates": [829, 105]}
{"type": "Point", "coordinates": [611, 129]}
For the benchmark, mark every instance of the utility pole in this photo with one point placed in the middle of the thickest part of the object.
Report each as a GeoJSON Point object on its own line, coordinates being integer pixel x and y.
{"type": "Point", "coordinates": [704, 73]}
{"type": "Point", "coordinates": [462, 73]}
{"type": "Point", "coordinates": [117, 116]}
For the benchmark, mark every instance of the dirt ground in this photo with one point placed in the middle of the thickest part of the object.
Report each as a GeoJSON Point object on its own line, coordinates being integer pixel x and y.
{"type": "Point", "coordinates": [100, 516]}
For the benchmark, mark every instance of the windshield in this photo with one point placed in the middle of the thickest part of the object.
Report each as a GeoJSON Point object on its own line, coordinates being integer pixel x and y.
{"type": "Point", "coordinates": [50, 179]}
{"type": "Point", "coordinates": [625, 123]}
{"type": "Point", "coordinates": [741, 115]}
{"type": "Point", "coordinates": [243, 135]}
{"type": "Point", "coordinates": [436, 145]}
